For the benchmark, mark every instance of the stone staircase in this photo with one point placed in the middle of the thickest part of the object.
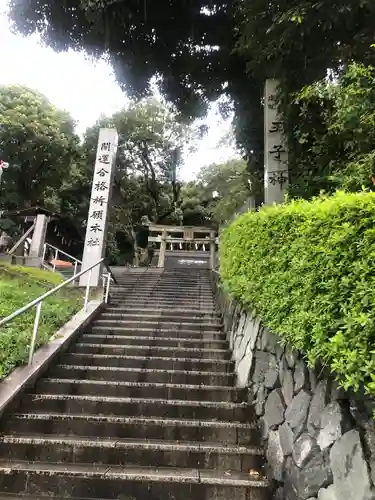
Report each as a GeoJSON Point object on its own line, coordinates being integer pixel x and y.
{"type": "Point", "coordinates": [142, 406]}
{"type": "Point", "coordinates": [67, 272]}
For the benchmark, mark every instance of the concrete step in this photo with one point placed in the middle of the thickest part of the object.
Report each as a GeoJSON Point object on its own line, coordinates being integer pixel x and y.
{"type": "Point", "coordinates": [161, 375]}
{"type": "Point", "coordinates": [204, 410]}
{"type": "Point", "coordinates": [103, 426]}
{"type": "Point", "coordinates": [173, 300]}
{"type": "Point", "coordinates": [164, 316]}
{"type": "Point", "coordinates": [134, 295]}
{"type": "Point", "coordinates": [133, 452]}
{"type": "Point", "coordinates": [147, 390]}
{"type": "Point", "coordinates": [162, 304]}
{"type": "Point", "coordinates": [162, 362]}
{"type": "Point", "coordinates": [155, 340]}
{"type": "Point", "coordinates": [135, 483]}
{"type": "Point", "coordinates": [165, 288]}
{"type": "Point", "coordinates": [157, 294]}
{"type": "Point", "coordinates": [159, 333]}
{"type": "Point", "coordinates": [180, 313]}
{"type": "Point", "coordinates": [157, 298]}
{"type": "Point", "coordinates": [151, 351]}
{"type": "Point", "coordinates": [162, 290]}
{"type": "Point", "coordinates": [182, 325]}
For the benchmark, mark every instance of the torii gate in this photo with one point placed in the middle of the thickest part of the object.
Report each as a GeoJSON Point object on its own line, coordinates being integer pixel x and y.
{"type": "Point", "coordinates": [196, 243]}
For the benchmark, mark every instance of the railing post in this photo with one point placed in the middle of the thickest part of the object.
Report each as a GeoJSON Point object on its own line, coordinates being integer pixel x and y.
{"type": "Point", "coordinates": [44, 252]}
{"type": "Point", "coordinates": [87, 290]}
{"type": "Point", "coordinates": [35, 332]}
{"type": "Point", "coordinates": [75, 267]}
{"type": "Point", "coordinates": [54, 262]}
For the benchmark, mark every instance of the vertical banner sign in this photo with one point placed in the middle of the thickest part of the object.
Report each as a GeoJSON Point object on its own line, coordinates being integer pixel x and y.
{"type": "Point", "coordinates": [276, 176]}
{"type": "Point", "coordinates": [96, 230]}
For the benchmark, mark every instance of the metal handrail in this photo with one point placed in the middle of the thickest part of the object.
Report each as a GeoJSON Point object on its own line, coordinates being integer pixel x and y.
{"type": "Point", "coordinates": [76, 261]}
{"type": "Point", "coordinates": [110, 272]}
{"type": "Point", "coordinates": [57, 251]}
{"type": "Point", "coordinates": [62, 252]}
{"type": "Point", "coordinates": [38, 303]}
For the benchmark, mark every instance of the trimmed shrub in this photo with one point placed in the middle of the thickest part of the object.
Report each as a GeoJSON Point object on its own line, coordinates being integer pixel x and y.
{"type": "Point", "coordinates": [308, 269]}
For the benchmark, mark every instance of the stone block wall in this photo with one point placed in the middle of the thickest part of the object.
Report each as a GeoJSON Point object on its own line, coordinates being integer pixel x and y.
{"type": "Point", "coordinates": [319, 440]}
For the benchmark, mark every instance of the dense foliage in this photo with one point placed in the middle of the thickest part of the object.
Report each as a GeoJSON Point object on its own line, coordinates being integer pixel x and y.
{"type": "Point", "coordinates": [308, 269]}
{"type": "Point", "coordinates": [298, 42]}
{"type": "Point", "coordinates": [230, 183]}
{"type": "Point", "coordinates": [51, 168]}
{"type": "Point", "coordinates": [170, 40]}
{"type": "Point", "coordinates": [211, 48]}
{"type": "Point", "coordinates": [18, 286]}
{"type": "Point", "coordinates": [38, 140]}
{"type": "Point", "coordinates": [335, 134]}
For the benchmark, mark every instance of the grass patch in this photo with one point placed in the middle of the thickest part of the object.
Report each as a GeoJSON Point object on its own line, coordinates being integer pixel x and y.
{"type": "Point", "coordinates": [18, 286]}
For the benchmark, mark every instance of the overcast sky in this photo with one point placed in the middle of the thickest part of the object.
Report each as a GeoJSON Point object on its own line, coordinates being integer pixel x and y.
{"type": "Point", "coordinates": [87, 89]}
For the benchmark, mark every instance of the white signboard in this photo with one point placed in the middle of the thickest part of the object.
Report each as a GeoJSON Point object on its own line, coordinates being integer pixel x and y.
{"type": "Point", "coordinates": [96, 230]}
{"type": "Point", "coordinates": [275, 152]}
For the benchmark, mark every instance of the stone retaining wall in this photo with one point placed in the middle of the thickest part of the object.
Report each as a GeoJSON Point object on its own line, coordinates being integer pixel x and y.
{"type": "Point", "coordinates": [319, 440]}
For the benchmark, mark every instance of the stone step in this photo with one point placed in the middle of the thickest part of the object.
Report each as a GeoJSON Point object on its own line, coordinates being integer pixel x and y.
{"type": "Point", "coordinates": [162, 304]}
{"type": "Point", "coordinates": [204, 410]}
{"type": "Point", "coordinates": [132, 295]}
{"type": "Point", "coordinates": [178, 287]}
{"type": "Point", "coordinates": [160, 333]}
{"type": "Point", "coordinates": [174, 298]}
{"type": "Point", "coordinates": [148, 390]}
{"type": "Point", "coordinates": [164, 316]}
{"type": "Point", "coordinates": [141, 375]}
{"type": "Point", "coordinates": [162, 295]}
{"type": "Point", "coordinates": [165, 363]}
{"type": "Point", "coordinates": [117, 483]}
{"type": "Point", "coordinates": [164, 285]}
{"type": "Point", "coordinates": [197, 343]}
{"type": "Point", "coordinates": [133, 452]}
{"type": "Point", "coordinates": [183, 325]}
{"type": "Point", "coordinates": [155, 298]}
{"type": "Point", "coordinates": [163, 290]}
{"type": "Point", "coordinates": [173, 290]}
{"type": "Point", "coordinates": [209, 313]}
{"type": "Point", "coordinates": [152, 351]}
{"type": "Point", "coordinates": [103, 426]}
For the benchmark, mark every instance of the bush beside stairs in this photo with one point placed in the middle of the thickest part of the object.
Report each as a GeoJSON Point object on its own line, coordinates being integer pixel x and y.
{"type": "Point", "coordinates": [142, 406]}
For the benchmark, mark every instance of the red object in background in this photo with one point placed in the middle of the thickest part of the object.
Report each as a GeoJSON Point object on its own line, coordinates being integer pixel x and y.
{"type": "Point", "coordinates": [61, 263]}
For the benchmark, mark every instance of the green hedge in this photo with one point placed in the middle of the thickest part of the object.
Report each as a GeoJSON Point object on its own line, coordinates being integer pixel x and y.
{"type": "Point", "coordinates": [308, 269]}
{"type": "Point", "coordinates": [18, 286]}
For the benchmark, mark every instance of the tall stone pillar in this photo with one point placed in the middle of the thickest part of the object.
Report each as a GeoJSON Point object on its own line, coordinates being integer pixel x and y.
{"type": "Point", "coordinates": [276, 175]}
{"type": "Point", "coordinates": [97, 221]}
{"type": "Point", "coordinates": [163, 248]}
{"type": "Point", "coordinates": [212, 250]}
{"type": "Point", "coordinates": [39, 237]}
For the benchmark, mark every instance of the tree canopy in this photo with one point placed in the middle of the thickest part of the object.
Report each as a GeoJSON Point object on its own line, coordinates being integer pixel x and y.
{"type": "Point", "coordinates": [200, 49]}
{"type": "Point", "coordinates": [334, 138]}
{"type": "Point", "coordinates": [51, 167]}
{"type": "Point", "coordinates": [182, 43]}
{"type": "Point", "coordinates": [228, 186]}
{"type": "Point", "coordinates": [38, 141]}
